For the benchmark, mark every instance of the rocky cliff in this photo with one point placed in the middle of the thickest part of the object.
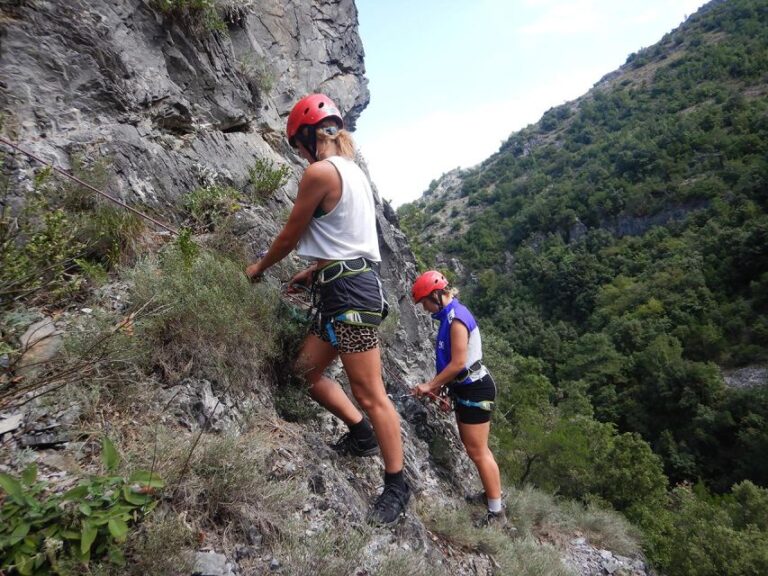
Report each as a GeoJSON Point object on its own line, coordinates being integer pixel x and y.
{"type": "Point", "coordinates": [173, 106]}
{"type": "Point", "coordinates": [194, 94]}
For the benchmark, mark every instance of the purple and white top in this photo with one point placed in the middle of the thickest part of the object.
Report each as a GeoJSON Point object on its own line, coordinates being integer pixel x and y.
{"type": "Point", "coordinates": [455, 310]}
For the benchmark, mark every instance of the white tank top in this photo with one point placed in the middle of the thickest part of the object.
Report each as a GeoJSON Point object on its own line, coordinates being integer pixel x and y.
{"type": "Point", "coordinates": [349, 230]}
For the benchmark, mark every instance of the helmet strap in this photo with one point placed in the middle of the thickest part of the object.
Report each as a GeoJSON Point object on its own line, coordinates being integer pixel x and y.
{"type": "Point", "coordinates": [308, 138]}
{"type": "Point", "coordinates": [438, 294]}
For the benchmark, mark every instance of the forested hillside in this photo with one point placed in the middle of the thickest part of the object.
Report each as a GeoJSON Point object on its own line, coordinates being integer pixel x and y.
{"type": "Point", "coordinates": [617, 251]}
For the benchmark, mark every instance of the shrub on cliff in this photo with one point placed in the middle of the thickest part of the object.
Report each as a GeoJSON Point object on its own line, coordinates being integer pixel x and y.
{"type": "Point", "coordinates": [206, 319]}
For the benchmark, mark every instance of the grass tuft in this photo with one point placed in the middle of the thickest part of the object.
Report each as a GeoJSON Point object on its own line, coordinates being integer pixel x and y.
{"type": "Point", "coordinates": [207, 319]}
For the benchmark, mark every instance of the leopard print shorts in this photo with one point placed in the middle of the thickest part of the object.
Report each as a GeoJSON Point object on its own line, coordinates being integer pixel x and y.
{"type": "Point", "coordinates": [350, 338]}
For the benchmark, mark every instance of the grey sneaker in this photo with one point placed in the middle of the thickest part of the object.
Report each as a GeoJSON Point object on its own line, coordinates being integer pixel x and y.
{"type": "Point", "coordinates": [389, 506]}
{"type": "Point", "coordinates": [348, 444]}
{"type": "Point", "coordinates": [492, 519]}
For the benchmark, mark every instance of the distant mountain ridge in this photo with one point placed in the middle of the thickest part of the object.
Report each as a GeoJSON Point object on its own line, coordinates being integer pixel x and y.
{"type": "Point", "coordinates": [578, 124]}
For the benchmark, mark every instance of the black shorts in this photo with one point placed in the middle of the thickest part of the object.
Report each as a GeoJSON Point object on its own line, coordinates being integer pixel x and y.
{"type": "Point", "coordinates": [350, 309]}
{"type": "Point", "coordinates": [483, 389]}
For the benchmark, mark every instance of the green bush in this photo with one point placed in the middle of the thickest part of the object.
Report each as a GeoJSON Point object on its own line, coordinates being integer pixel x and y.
{"type": "Point", "coordinates": [159, 546]}
{"type": "Point", "coordinates": [64, 235]}
{"type": "Point", "coordinates": [223, 482]}
{"type": "Point", "coordinates": [198, 15]}
{"type": "Point", "coordinates": [38, 249]}
{"type": "Point", "coordinates": [327, 553]}
{"type": "Point", "coordinates": [293, 403]}
{"type": "Point", "coordinates": [209, 205]}
{"type": "Point", "coordinates": [111, 234]}
{"type": "Point", "coordinates": [257, 73]}
{"type": "Point", "coordinates": [266, 179]}
{"type": "Point", "coordinates": [207, 319]}
{"type": "Point", "coordinates": [524, 554]}
{"type": "Point", "coordinates": [44, 532]}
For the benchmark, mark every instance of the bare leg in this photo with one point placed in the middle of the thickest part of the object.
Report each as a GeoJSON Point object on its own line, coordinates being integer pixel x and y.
{"type": "Point", "coordinates": [364, 372]}
{"type": "Point", "coordinates": [314, 358]}
{"type": "Point", "coordinates": [475, 440]}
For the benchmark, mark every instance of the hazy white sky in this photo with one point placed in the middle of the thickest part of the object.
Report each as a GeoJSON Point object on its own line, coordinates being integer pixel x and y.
{"type": "Point", "coordinates": [450, 80]}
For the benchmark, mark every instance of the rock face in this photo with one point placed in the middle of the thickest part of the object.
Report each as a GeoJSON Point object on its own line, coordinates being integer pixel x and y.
{"type": "Point", "coordinates": [173, 106]}
{"type": "Point", "coordinates": [165, 100]}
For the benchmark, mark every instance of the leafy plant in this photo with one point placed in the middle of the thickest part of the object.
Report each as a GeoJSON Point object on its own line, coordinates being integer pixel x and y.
{"type": "Point", "coordinates": [37, 250]}
{"type": "Point", "coordinates": [44, 532]}
{"type": "Point", "coordinates": [63, 235]}
{"type": "Point", "coordinates": [293, 403]}
{"type": "Point", "coordinates": [521, 555]}
{"type": "Point", "coordinates": [208, 320]}
{"type": "Point", "coordinates": [267, 179]}
{"type": "Point", "coordinates": [260, 78]}
{"type": "Point", "coordinates": [186, 246]}
{"type": "Point", "coordinates": [160, 546]}
{"type": "Point", "coordinates": [226, 480]}
{"type": "Point", "coordinates": [111, 232]}
{"type": "Point", "coordinates": [208, 205]}
{"type": "Point", "coordinates": [199, 15]}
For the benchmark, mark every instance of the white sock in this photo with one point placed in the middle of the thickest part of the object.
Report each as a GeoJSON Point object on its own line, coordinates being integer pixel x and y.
{"type": "Point", "coordinates": [494, 504]}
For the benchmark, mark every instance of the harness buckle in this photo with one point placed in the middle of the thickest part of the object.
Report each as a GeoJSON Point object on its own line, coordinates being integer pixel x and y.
{"type": "Point", "coordinates": [468, 371]}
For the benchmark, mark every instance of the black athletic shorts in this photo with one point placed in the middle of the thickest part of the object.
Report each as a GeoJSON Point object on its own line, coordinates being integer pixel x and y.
{"type": "Point", "coordinates": [483, 389]}
{"type": "Point", "coordinates": [354, 305]}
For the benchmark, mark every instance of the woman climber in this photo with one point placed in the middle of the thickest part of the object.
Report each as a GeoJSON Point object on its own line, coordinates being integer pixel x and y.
{"type": "Point", "coordinates": [459, 368]}
{"type": "Point", "coordinates": [333, 223]}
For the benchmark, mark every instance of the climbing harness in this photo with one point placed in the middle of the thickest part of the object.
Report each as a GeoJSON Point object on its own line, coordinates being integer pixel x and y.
{"type": "Point", "coordinates": [333, 272]}
{"type": "Point", "coordinates": [487, 405]}
{"type": "Point", "coordinates": [467, 372]}
{"type": "Point", "coordinates": [342, 268]}
{"type": "Point", "coordinates": [446, 401]}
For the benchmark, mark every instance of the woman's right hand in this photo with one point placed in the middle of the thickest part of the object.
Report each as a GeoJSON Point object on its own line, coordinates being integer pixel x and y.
{"type": "Point", "coordinates": [303, 278]}
{"type": "Point", "coordinates": [254, 272]}
{"type": "Point", "coordinates": [422, 390]}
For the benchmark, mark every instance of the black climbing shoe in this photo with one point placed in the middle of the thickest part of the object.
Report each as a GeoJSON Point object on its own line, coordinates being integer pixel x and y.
{"type": "Point", "coordinates": [492, 519]}
{"type": "Point", "coordinates": [389, 505]}
{"type": "Point", "coordinates": [348, 444]}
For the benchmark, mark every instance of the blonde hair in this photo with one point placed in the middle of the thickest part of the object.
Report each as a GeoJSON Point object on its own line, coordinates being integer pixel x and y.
{"type": "Point", "coordinates": [343, 140]}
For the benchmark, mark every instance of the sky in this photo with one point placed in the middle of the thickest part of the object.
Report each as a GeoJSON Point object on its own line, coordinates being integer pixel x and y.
{"type": "Point", "coordinates": [450, 80]}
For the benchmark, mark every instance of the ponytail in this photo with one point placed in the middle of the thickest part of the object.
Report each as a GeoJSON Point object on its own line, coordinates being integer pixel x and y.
{"type": "Point", "coordinates": [343, 140]}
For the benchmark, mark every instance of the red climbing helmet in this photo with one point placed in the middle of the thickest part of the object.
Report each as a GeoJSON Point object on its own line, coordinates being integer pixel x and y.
{"type": "Point", "coordinates": [426, 284]}
{"type": "Point", "coordinates": [309, 111]}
